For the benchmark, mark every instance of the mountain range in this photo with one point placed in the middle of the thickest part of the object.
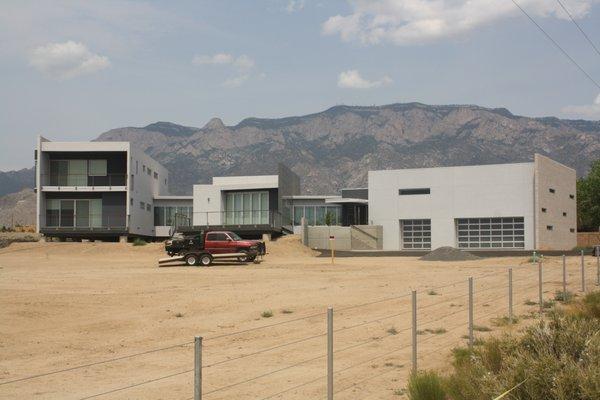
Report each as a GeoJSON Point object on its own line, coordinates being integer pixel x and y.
{"type": "Point", "coordinates": [336, 148]}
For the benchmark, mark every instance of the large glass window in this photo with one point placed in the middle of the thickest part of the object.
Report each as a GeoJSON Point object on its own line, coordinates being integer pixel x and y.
{"type": "Point", "coordinates": [247, 208]}
{"type": "Point", "coordinates": [81, 213]}
{"type": "Point", "coordinates": [169, 216]}
{"type": "Point", "coordinates": [67, 212]}
{"type": "Point", "coordinates": [98, 168]}
{"type": "Point", "coordinates": [484, 233]}
{"type": "Point", "coordinates": [52, 212]}
{"type": "Point", "coordinates": [317, 215]}
{"type": "Point", "coordinates": [416, 234]}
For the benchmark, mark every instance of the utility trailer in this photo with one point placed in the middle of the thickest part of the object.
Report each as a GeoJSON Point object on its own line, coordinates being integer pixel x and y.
{"type": "Point", "coordinates": [207, 246]}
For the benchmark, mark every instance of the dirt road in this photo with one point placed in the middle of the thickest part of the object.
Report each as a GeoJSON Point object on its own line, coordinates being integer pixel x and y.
{"type": "Point", "coordinates": [68, 305]}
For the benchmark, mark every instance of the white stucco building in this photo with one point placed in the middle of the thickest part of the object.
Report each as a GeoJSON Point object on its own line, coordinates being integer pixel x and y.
{"type": "Point", "coordinates": [521, 206]}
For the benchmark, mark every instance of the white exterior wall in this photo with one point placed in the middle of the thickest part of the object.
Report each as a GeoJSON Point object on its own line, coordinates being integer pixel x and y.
{"type": "Point", "coordinates": [145, 188]}
{"type": "Point", "coordinates": [505, 190]}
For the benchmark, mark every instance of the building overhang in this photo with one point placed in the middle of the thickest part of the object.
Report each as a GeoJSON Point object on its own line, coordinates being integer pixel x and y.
{"type": "Point", "coordinates": [345, 200]}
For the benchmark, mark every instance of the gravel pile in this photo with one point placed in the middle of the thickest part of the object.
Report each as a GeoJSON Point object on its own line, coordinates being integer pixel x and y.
{"type": "Point", "coordinates": [449, 254]}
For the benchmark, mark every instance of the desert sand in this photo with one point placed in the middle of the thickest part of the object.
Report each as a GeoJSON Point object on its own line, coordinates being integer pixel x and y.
{"type": "Point", "coordinates": [88, 308]}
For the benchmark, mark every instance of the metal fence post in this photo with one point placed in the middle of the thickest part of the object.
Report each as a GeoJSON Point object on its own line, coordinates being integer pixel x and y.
{"type": "Point", "coordinates": [510, 295]}
{"type": "Point", "coordinates": [198, 368]}
{"type": "Point", "coordinates": [540, 294]}
{"type": "Point", "coordinates": [582, 272]}
{"type": "Point", "coordinates": [414, 331]}
{"type": "Point", "coordinates": [564, 259]}
{"type": "Point", "coordinates": [330, 353]}
{"type": "Point", "coordinates": [471, 341]}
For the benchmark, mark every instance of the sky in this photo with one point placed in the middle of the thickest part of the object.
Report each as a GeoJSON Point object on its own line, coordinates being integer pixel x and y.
{"type": "Point", "coordinates": [72, 70]}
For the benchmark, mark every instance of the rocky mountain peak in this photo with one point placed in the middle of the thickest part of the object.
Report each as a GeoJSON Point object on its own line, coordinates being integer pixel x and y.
{"type": "Point", "coordinates": [214, 124]}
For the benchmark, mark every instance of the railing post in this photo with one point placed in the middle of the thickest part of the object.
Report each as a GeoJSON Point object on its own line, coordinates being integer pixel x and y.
{"type": "Point", "coordinates": [330, 353]}
{"type": "Point", "coordinates": [540, 294]}
{"type": "Point", "coordinates": [471, 340]}
{"type": "Point", "coordinates": [198, 368]}
{"type": "Point", "coordinates": [582, 272]}
{"type": "Point", "coordinates": [564, 272]}
{"type": "Point", "coordinates": [414, 331]}
{"type": "Point", "coordinates": [510, 295]}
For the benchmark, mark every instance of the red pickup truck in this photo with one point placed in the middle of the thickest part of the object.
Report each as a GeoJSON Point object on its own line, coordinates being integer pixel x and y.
{"type": "Point", "coordinates": [203, 247]}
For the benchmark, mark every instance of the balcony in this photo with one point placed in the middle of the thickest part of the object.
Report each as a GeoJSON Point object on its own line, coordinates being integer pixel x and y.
{"type": "Point", "coordinates": [66, 221]}
{"type": "Point", "coordinates": [83, 182]}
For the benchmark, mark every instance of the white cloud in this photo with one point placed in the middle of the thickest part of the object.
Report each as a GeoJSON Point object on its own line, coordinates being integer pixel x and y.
{"type": "Point", "coordinates": [242, 65]}
{"type": "Point", "coordinates": [294, 6]}
{"type": "Point", "coordinates": [585, 111]}
{"type": "Point", "coordinates": [351, 79]}
{"type": "Point", "coordinates": [66, 60]}
{"type": "Point", "coordinates": [405, 22]}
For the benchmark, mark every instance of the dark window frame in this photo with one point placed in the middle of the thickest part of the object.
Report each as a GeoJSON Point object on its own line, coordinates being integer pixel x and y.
{"type": "Point", "coordinates": [414, 191]}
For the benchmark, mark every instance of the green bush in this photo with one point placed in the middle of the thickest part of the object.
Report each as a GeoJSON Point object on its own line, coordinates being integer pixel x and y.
{"type": "Point", "coordinates": [266, 314]}
{"type": "Point", "coordinates": [425, 385]}
{"type": "Point", "coordinates": [139, 242]}
{"type": "Point", "coordinates": [591, 305]}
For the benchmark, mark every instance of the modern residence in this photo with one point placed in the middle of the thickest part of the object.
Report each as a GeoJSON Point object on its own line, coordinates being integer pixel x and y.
{"type": "Point", "coordinates": [96, 190]}
{"type": "Point", "coordinates": [253, 205]}
{"type": "Point", "coordinates": [348, 208]}
{"type": "Point", "coordinates": [521, 206]}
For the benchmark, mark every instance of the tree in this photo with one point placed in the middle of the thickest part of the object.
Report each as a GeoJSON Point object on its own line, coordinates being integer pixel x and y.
{"type": "Point", "coordinates": [588, 200]}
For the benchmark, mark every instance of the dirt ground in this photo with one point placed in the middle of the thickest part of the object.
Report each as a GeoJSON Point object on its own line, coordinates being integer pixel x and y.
{"type": "Point", "coordinates": [87, 309]}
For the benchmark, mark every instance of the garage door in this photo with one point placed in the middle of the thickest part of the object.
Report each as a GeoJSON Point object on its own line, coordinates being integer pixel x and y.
{"type": "Point", "coordinates": [484, 233]}
{"type": "Point", "coordinates": [416, 234]}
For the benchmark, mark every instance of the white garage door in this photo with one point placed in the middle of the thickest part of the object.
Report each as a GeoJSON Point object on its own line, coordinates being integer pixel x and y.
{"type": "Point", "coordinates": [416, 234]}
{"type": "Point", "coordinates": [483, 233]}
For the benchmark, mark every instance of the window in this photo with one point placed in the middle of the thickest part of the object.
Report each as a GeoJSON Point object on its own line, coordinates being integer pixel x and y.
{"type": "Point", "coordinates": [142, 205]}
{"type": "Point", "coordinates": [216, 237]}
{"type": "Point", "coordinates": [81, 213]}
{"type": "Point", "coordinates": [165, 181]}
{"type": "Point", "coordinates": [549, 227]}
{"type": "Point", "coordinates": [564, 214]}
{"type": "Point", "coordinates": [97, 168]}
{"type": "Point", "coordinates": [149, 171]}
{"type": "Point", "coordinates": [572, 230]}
{"type": "Point", "coordinates": [136, 167]}
{"type": "Point", "coordinates": [416, 234]}
{"type": "Point", "coordinates": [132, 182]}
{"type": "Point", "coordinates": [484, 233]}
{"type": "Point", "coordinates": [543, 210]}
{"type": "Point", "coordinates": [551, 190]}
{"type": "Point", "coordinates": [156, 175]}
{"type": "Point", "coordinates": [148, 207]}
{"type": "Point", "coordinates": [169, 216]}
{"type": "Point", "coordinates": [316, 215]}
{"type": "Point", "coordinates": [409, 192]}
{"type": "Point", "coordinates": [247, 208]}
{"type": "Point", "coordinates": [571, 196]}
{"type": "Point", "coordinates": [131, 201]}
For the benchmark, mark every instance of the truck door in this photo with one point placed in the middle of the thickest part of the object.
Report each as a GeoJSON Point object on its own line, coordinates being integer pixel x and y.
{"type": "Point", "coordinates": [216, 243]}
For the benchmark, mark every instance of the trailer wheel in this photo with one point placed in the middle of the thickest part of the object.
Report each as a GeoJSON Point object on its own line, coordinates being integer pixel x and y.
{"type": "Point", "coordinates": [191, 260]}
{"type": "Point", "coordinates": [205, 260]}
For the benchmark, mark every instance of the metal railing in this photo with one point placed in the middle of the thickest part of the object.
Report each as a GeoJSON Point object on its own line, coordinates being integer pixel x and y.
{"type": "Point", "coordinates": [83, 180]}
{"type": "Point", "coordinates": [238, 218]}
{"type": "Point", "coordinates": [87, 223]}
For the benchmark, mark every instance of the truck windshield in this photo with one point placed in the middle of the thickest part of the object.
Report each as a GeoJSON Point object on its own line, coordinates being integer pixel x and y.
{"type": "Point", "coordinates": [234, 236]}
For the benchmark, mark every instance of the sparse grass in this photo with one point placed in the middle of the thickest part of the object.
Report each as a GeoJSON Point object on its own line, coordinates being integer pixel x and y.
{"type": "Point", "coordinates": [287, 311]}
{"type": "Point", "coordinates": [436, 331]}
{"type": "Point", "coordinates": [505, 321]}
{"type": "Point", "coordinates": [139, 242]}
{"type": "Point", "coordinates": [266, 314]}
{"type": "Point", "coordinates": [399, 392]}
{"type": "Point", "coordinates": [563, 297]}
{"type": "Point", "coordinates": [481, 328]}
{"type": "Point", "coordinates": [432, 292]}
{"type": "Point", "coordinates": [425, 385]}
{"type": "Point", "coordinates": [590, 305]}
{"type": "Point", "coordinates": [178, 315]}
{"type": "Point", "coordinates": [420, 332]}
{"type": "Point", "coordinates": [530, 302]}
{"type": "Point", "coordinates": [548, 304]}
{"type": "Point", "coordinates": [392, 331]}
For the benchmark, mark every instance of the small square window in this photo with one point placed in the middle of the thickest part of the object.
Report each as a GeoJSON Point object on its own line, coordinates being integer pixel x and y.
{"type": "Point", "coordinates": [144, 168]}
{"type": "Point", "coordinates": [131, 201]}
{"type": "Point", "coordinates": [551, 190]}
{"type": "Point", "coordinates": [142, 205]}
{"type": "Point", "coordinates": [571, 196]}
{"type": "Point", "coordinates": [564, 214]}
{"type": "Point", "coordinates": [148, 207]}
{"type": "Point", "coordinates": [149, 171]}
{"type": "Point", "coordinates": [572, 230]}
{"type": "Point", "coordinates": [543, 210]}
{"type": "Point", "coordinates": [549, 227]}
{"type": "Point", "coordinates": [156, 175]}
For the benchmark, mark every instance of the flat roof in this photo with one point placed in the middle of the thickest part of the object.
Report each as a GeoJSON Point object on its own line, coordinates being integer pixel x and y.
{"type": "Point", "coordinates": [173, 197]}
{"type": "Point", "coordinates": [450, 167]}
{"type": "Point", "coordinates": [310, 197]}
{"type": "Point", "coordinates": [341, 200]}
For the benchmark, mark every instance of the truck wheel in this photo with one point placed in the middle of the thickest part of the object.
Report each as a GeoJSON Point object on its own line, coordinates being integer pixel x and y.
{"type": "Point", "coordinates": [243, 258]}
{"type": "Point", "coordinates": [191, 260]}
{"type": "Point", "coordinates": [205, 260]}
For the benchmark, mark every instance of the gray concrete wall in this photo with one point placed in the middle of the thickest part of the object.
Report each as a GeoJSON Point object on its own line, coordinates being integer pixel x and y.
{"type": "Point", "coordinates": [366, 237]}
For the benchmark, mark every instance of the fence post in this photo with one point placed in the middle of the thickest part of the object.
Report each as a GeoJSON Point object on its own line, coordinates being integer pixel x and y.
{"type": "Point", "coordinates": [510, 296]}
{"type": "Point", "coordinates": [414, 331]}
{"type": "Point", "coordinates": [540, 294]}
{"type": "Point", "coordinates": [564, 259]}
{"type": "Point", "coordinates": [198, 368]}
{"type": "Point", "coordinates": [598, 265]}
{"type": "Point", "coordinates": [582, 272]}
{"type": "Point", "coordinates": [471, 341]}
{"type": "Point", "coordinates": [330, 353]}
